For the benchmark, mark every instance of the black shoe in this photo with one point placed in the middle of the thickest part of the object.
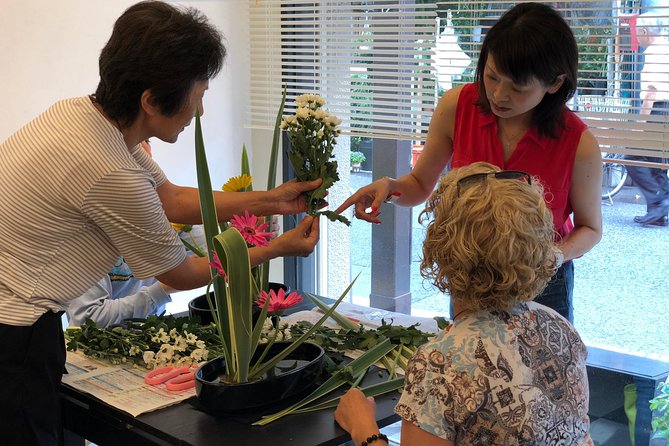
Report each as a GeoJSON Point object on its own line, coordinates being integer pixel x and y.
{"type": "Point", "coordinates": [662, 221]}
{"type": "Point", "coordinates": [656, 214]}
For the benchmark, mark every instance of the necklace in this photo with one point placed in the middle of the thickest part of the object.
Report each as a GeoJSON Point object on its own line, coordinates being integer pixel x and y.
{"type": "Point", "coordinates": [510, 140]}
{"type": "Point", "coordinates": [466, 310]}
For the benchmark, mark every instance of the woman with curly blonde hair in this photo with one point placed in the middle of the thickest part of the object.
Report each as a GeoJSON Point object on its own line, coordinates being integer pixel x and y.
{"type": "Point", "coordinates": [507, 371]}
{"type": "Point", "coordinates": [490, 243]}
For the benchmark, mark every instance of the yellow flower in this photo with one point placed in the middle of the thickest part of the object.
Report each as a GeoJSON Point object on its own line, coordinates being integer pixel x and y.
{"type": "Point", "coordinates": [241, 183]}
{"type": "Point", "coordinates": [181, 227]}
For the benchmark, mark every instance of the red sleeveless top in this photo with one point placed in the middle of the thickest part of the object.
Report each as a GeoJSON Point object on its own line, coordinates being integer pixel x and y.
{"type": "Point", "coordinates": [552, 160]}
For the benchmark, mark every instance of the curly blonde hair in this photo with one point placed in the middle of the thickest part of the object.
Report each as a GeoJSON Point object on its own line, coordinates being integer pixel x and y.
{"type": "Point", "coordinates": [492, 246]}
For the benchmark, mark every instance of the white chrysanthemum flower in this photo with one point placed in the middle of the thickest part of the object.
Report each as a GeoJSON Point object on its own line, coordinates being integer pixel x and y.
{"type": "Point", "coordinates": [302, 113]}
{"type": "Point", "coordinates": [190, 338]}
{"type": "Point", "coordinates": [199, 354]}
{"type": "Point", "coordinates": [320, 134]}
{"type": "Point", "coordinates": [200, 344]}
{"type": "Point", "coordinates": [180, 344]}
{"type": "Point", "coordinates": [320, 114]}
{"type": "Point", "coordinates": [161, 336]}
{"type": "Point", "coordinates": [165, 353]}
{"type": "Point", "coordinates": [148, 357]}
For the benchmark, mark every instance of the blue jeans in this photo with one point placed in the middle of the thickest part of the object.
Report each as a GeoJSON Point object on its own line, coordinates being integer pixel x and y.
{"type": "Point", "coordinates": [559, 292]}
{"type": "Point", "coordinates": [645, 391]}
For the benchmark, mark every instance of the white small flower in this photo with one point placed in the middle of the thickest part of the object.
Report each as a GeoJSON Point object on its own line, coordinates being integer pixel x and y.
{"type": "Point", "coordinates": [199, 354]}
{"type": "Point", "coordinates": [320, 134]}
{"type": "Point", "coordinates": [191, 338]}
{"type": "Point", "coordinates": [161, 336]}
{"type": "Point", "coordinates": [148, 356]}
{"type": "Point", "coordinates": [302, 113]}
{"type": "Point", "coordinates": [180, 344]}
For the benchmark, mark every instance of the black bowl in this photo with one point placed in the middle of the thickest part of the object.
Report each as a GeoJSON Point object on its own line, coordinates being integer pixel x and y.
{"type": "Point", "coordinates": [294, 378]}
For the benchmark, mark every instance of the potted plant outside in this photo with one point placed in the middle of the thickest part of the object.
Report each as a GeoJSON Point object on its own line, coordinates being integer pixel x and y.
{"type": "Point", "coordinates": [357, 158]}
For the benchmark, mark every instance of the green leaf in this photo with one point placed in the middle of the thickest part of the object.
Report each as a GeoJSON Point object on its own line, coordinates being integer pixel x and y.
{"type": "Point", "coordinates": [235, 307]}
{"type": "Point", "coordinates": [343, 321]}
{"type": "Point", "coordinates": [373, 390]}
{"type": "Point", "coordinates": [357, 366]}
{"type": "Point", "coordinates": [207, 209]}
{"type": "Point", "coordinates": [276, 138]}
{"type": "Point", "coordinates": [246, 169]}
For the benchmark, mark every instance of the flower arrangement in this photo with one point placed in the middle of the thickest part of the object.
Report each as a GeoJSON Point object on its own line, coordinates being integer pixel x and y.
{"type": "Point", "coordinates": [313, 133]}
{"type": "Point", "coordinates": [235, 288]}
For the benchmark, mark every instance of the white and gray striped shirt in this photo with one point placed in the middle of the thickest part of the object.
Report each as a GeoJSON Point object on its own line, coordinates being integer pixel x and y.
{"type": "Point", "coordinates": [74, 199]}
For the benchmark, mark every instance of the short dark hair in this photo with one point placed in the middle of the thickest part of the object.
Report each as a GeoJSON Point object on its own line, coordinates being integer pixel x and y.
{"type": "Point", "coordinates": [533, 40]}
{"type": "Point", "coordinates": [157, 47]}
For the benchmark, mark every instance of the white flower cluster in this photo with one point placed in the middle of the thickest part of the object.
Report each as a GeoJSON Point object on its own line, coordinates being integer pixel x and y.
{"type": "Point", "coordinates": [311, 120]}
{"type": "Point", "coordinates": [175, 349]}
{"type": "Point", "coordinates": [270, 332]}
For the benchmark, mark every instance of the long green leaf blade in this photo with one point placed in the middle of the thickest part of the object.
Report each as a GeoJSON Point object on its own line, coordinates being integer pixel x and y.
{"type": "Point", "coordinates": [234, 256]}
{"type": "Point", "coordinates": [208, 210]}
{"type": "Point", "coordinates": [365, 361]}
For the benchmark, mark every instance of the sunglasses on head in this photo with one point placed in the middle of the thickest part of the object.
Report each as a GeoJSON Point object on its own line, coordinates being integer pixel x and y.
{"type": "Point", "coordinates": [464, 182]}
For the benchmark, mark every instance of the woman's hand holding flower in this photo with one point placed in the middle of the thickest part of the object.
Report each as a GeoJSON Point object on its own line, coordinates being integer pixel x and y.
{"type": "Point", "coordinates": [289, 197]}
{"type": "Point", "coordinates": [299, 241]}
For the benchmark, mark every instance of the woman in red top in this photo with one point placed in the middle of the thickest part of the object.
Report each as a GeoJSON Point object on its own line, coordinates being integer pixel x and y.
{"type": "Point", "coordinates": [515, 116]}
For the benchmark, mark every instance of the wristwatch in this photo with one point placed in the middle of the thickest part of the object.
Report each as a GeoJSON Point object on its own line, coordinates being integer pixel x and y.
{"type": "Point", "coordinates": [559, 257]}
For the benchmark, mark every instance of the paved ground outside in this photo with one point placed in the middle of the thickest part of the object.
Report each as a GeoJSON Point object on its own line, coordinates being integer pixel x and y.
{"type": "Point", "coordinates": [621, 295]}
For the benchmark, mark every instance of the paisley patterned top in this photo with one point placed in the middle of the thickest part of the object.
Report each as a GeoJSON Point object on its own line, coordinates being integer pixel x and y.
{"type": "Point", "coordinates": [501, 378]}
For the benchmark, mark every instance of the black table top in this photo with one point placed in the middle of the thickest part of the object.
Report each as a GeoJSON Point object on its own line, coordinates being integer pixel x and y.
{"type": "Point", "coordinates": [185, 424]}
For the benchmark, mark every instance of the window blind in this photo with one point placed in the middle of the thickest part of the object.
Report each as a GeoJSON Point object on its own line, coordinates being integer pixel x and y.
{"type": "Point", "coordinates": [370, 60]}
{"type": "Point", "coordinates": [382, 65]}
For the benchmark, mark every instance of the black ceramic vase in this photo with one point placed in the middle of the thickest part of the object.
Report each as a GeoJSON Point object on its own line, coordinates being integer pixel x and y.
{"type": "Point", "coordinates": [293, 378]}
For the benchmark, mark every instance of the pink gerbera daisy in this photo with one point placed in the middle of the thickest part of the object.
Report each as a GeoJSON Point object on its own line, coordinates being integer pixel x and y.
{"type": "Point", "coordinates": [251, 229]}
{"type": "Point", "coordinates": [278, 302]}
{"type": "Point", "coordinates": [216, 264]}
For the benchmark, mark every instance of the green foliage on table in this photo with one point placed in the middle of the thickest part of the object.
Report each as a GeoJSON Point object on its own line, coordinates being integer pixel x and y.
{"type": "Point", "coordinates": [661, 404]}
{"type": "Point", "coordinates": [125, 343]}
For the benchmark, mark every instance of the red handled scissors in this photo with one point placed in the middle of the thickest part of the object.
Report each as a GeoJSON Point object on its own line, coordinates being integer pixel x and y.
{"type": "Point", "coordinates": [174, 378]}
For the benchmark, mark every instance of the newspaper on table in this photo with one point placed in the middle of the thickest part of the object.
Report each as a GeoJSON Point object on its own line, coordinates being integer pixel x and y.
{"type": "Point", "coordinates": [121, 386]}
